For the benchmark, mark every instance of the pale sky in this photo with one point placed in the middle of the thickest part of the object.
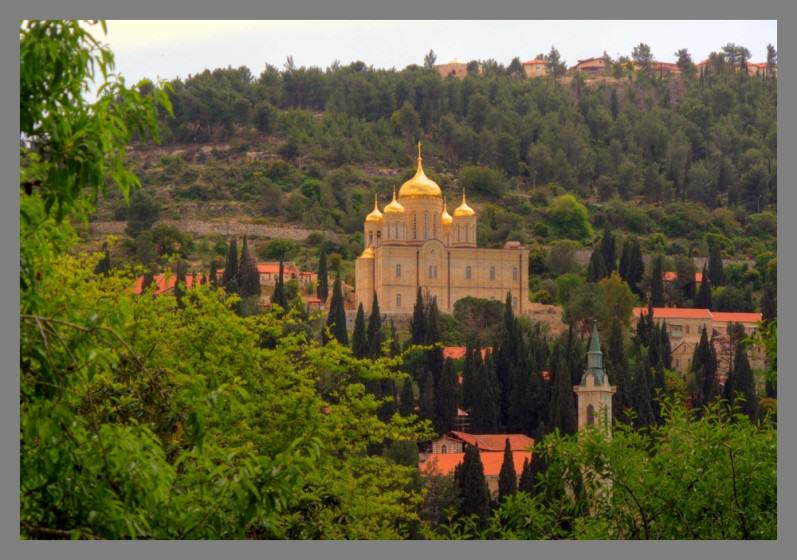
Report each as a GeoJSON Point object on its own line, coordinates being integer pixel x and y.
{"type": "Point", "coordinates": [170, 49]}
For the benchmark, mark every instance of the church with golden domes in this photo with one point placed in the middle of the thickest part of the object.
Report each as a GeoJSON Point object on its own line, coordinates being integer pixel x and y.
{"type": "Point", "coordinates": [415, 242]}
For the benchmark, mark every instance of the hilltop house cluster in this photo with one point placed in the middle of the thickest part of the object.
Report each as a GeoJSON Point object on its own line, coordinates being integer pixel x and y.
{"type": "Point", "coordinates": [601, 66]}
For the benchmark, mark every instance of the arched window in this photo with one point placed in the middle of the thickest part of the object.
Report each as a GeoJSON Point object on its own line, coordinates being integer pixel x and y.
{"type": "Point", "coordinates": [467, 273]}
{"type": "Point", "coordinates": [398, 300]}
{"type": "Point", "coordinates": [492, 273]}
{"type": "Point", "coordinates": [590, 415]}
{"type": "Point", "coordinates": [398, 271]}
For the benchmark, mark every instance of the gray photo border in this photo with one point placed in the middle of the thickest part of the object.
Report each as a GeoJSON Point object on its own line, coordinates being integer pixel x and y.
{"type": "Point", "coordinates": [12, 547]}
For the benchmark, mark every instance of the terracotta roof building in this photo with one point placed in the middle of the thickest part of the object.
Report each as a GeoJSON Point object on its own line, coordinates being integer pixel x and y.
{"type": "Point", "coordinates": [535, 68]}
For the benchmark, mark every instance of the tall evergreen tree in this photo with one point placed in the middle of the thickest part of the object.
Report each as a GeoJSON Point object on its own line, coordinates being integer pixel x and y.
{"type": "Point", "coordinates": [104, 264]}
{"type": "Point", "coordinates": [470, 374]}
{"type": "Point", "coordinates": [179, 282]}
{"type": "Point", "coordinates": [336, 319]}
{"type": "Point", "coordinates": [665, 347]}
{"type": "Point", "coordinates": [740, 382]}
{"type": "Point", "coordinates": [533, 471]}
{"type": "Point", "coordinates": [642, 392]}
{"type": "Point", "coordinates": [645, 326]}
{"type": "Point", "coordinates": [395, 347]}
{"type": "Point", "coordinates": [407, 399]}
{"type": "Point", "coordinates": [703, 299]}
{"type": "Point", "coordinates": [248, 275]}
{"type": "Point", "coordinates": [446, 399]}
{"type": "Point", "coordinates": [375, 337]}
{"type": "Point", "coordinates": [608, 251]}
{"type": "Point", "coordinates": [632, 267]}
{"type": "Point", "coordinates": [769, 300]}
{"type": "Point", "coordinates": [426, 398]}
{"type": "Point", "coordinates": [484, 410]}
{"type": "Point", "coordinates": [657, 282]}
{"type": "Point", "coordinates": [418, 321]}
{"type": "Point", "coordinates": [617, 369]}
{"type": "Point", "coordinates": [214, 275]}
{"type": "Point", "coordinates": [597, 267]}
{"type": "Point", "coordinates": [563, 405]}
{"type": "Point", "coordinates": [359, 341]}
{"type": "Point", "coordinates": [715, 270]}
{"type": "Point", "coordinates": [323, 276]}
{"type": "Point", "coordinates": [704, 366]}
{"type": "Point", "coordinates": [507, 477]}
{"type": "Point", "coordinates": [279, 289]}
{"type": "Point", "coordinates": [469, 476]}
{"type": "Point", "coordinates": [230, 277]}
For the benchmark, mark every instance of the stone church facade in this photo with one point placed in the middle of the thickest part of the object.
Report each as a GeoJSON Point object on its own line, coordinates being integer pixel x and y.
{"type": "Point", "coordinates": [414, 242]}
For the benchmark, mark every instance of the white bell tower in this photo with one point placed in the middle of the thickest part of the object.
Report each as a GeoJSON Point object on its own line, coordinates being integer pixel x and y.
{"type": "Point", "coordinates": [594, 393]}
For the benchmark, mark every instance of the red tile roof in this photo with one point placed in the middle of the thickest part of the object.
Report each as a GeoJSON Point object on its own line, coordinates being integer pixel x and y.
{"type": "Point", "coordinates": [445, 463]}
{"type": "Point", "coordinates": [674, 313]}
{"type": "Point", "coordinates": [673, 276]}
{"type": "Point", "coordinates": [494, 442]}
{"type": "Point", "coordinates": [458, 352]}
{"type": "Point", "coordinates": [731, 317]}
{"type": "Point", "coordinates": [535, 61]}
{"type": "Point", "coordinates": [161, 286]}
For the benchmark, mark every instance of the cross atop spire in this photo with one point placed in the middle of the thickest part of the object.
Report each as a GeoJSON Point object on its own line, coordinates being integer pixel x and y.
{"type": "Point", "coordinates": [419, 150]}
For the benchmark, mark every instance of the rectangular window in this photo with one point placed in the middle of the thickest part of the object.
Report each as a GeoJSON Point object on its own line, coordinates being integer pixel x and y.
{"type": "Point", "coordinates": [687, 329]}
{"type": "Point", "coordinates": [675, 331]}
{"type": "Point", "coordinates": [492, 273]}
{"type": "Point", "coordinates": [398, 300]}
{"type": "Point", "coordinates": [398, 271]}
{"type": "Point", "coordinates": [467, 273]}
{"type": "Point", "coordinates": [514, 302]}
{"type": "Point", "coordinates": [514, 273]}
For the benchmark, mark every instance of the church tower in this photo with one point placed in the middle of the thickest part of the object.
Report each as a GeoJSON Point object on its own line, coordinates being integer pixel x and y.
{"type": "Point", "coordinates": [594, 393]}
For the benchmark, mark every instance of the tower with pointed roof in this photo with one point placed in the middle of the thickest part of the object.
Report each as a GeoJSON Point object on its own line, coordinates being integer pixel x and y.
{"type": "Point", "coordinates": [414, 242]}
{"type": "Point", "coordinates": [594, 393]}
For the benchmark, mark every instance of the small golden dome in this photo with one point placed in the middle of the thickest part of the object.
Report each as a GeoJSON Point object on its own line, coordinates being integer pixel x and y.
{"type": "Point", "coordinates": [394, 207]}
{"type": "Point", "coordinates": [445, 217]}
{"type": "Point", "coordinates": [420, 186]}
{"type": "Point", "coordinates": [463, 210]}
{"type": "Point", "coordinates": [375, 215]}
{"type": "Point", "coordinates": [368, 253]}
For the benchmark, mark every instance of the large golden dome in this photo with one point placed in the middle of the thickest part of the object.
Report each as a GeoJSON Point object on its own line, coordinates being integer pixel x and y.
{"type": "Point", "coordinates": [463, 210]}
{"type": "Point", "coordinates": [420, 186]}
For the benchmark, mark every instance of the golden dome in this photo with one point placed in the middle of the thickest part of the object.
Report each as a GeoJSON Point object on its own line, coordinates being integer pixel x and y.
{"type": "Point", "coordinates": [375, 215]}
{"type": "Point", "coordinates": [463, 210]}
{"type": "Point", "coordinates": [368, 253]}
{"type": "Point", "coordinates": [445, 217]}
{"type": "Point", "coordinates": [420, 186]}
{"type": "Point", "coordinates": [394, 207]}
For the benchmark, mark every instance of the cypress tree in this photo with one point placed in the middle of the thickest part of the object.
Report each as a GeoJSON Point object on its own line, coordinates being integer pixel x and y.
{"type": "Point", "coordinates": [607, 249]}
{"type": "Point", "coordinates": [715, 270]}
{"type": "Point", "coordinates": [657, 283]}
{"type": "Point", "coordinates": [359, 342]}
{"type": "Point", "coordinates": [665, 347]}
{"type": "Point", "coordinates": [526, 480]}
{"type": "Point", "coordinates": [642, 392]}
{"type": "Point", "coordinates": [446, 399]}
{"type": "Point", "coordinates": [104, 264]}
{"type": "Point", "coordinates": [531, 476]}
{"type": "Point", "coordinates": [632, 267]}
{"type": "Point", "coordinates": [323, 276]}
{"type": "Point", "coordinates": [427, 397]}
{"type": "Point", "coordinates": [336, 319]}
{"type": "Point", "coordinates": [230, 277]}
{"type": "Point", "coordinates": [434, 356]}
{"type": "Point", "coordinates": [395, 347]}
{"type": "Point", "coordinates": [418, 321]}
{"type": "Point", "coordinates": [279, 289]}
{"type": "Point", "coordinates": [179, 283]}
{"type": "Point", "coordinates": [407, 399]}
{"type": "Point", "coordinates": [507, 478]}
{"type": "Point", "coordinates": [617, 369]}
{"type": "Point", "coordinates": [248, 276]}
{"type": "Point", "coordinates": [659, 390]}
{"type": "Point", "coordinates": [147, 281]}
{"type": "Point", "coordinates": [704, 366]}
{"type": "Point", "coordinates": [563, 405]}
{"type": "Point", "coordinates": [484, 413]}
{"type": "Point", "coordinates": [703, 299]}
{"type": "Point", "coordinates": [214, 275]}
{"type": "Point", "coordinates": [470, 375]}
{"type": "Point", "coordinates": [375, 337]}
{"type": "Point", "coordinates": [740, 382]}
{"type": "Point", "coordinates": [469, 476]}
{"type": "Point", "coordinates": [645, 326]}
{"type": "Point", "coordinates": [597, 267]}
{"type": "Point", "coordinates": [769, 300]}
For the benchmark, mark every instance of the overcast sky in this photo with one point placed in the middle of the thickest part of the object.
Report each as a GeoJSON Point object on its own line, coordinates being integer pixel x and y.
{"type": "Point", "coordinates": [170, 49]}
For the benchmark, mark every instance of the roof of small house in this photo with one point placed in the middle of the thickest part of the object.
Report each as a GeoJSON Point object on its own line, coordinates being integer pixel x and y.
{"type": "Point", "coordinates": [734, 317]}
{"type": "Point", "coordinates": [494, 442]}
{"type": "Point", "coordinates": [445, 463]}
{"type": "Point", "coordinates": [674, 313]}
{"type": "Point", "coordinates": [458, 352]}
{"type": "Point", "coordinates": [161, 284]}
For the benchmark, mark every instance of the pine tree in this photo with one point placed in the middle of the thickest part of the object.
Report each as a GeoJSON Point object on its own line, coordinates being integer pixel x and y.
{"type": "Point", "coordinates": [418, 321]}
{"type": "Point", "coordinates": [248, 275]}
{"type": "Point", "coordinates": [469, 476]}
{"type": "Point", "coordinates": [608, 250]}
{"type": "Point", "coordinates": [279, 288]}
{"type": "Point", "coordinates": [657, 283]}
{"type": "Point", "coordinates": [703, 299]}
{"type": "Point", "coordinates": [507, 477]}
{"type": "Point", "coordinates": [597, 267]}
{"type": "Point", "coordinates": [359, 342]}
{"type": "Point", "coordinates": [336, 320]}
{"type": "Point", "coordinates": [446, 399]}
{"type": "Point", "coordinates": [407, 399]}
{"type": "Point", "coordinates": [230, 277]}
{"type": "Point", "coordinates": [375, 337]}
{"type": "Point", "coordinates": [715, 270]}
{"type": "Point", "coordinates": [323, 277]}
{"type": "Point", "coordinates": [563, 406]}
